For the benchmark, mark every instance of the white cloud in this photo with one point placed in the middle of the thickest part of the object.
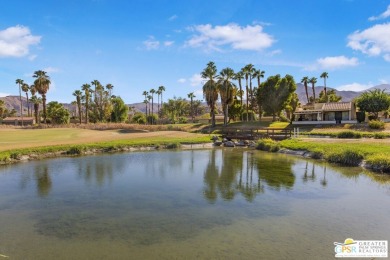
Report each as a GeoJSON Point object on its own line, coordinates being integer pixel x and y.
{"type": "Point", "coordinates": [196, 80]}
{"type": "Point", "coordinates": [383, 15]}
{"type": "Point", "coordinates": [355, 87]}
{"type": "Point", "coordinates": [373, 41]}
{"type": "Point", "coordinates": [237, 37]}
{"type": "Point", "coordinates": [151, 43]}
{"type": "Point", "coordinates": [172, 18]}
{"type": "Point", "coordinates": [4, 94]}
{"type": "Point", "coordinates": [168, 43]}
{"type": "Point", "coordinates": [337, 62]}
{"type": "Point", "coordinates": [15, 41]}
{"type": "Point", "coordinates": [182, 80]}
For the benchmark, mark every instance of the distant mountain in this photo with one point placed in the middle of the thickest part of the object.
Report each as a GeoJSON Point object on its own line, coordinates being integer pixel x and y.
{"type": "Point", "coordinates": [385, 87]}
{"type": "Point", "coordinates": [346, 95]}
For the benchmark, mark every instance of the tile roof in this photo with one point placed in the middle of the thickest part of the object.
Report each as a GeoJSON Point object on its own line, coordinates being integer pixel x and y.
{"type": "Point", "coordinates": [337, 106]}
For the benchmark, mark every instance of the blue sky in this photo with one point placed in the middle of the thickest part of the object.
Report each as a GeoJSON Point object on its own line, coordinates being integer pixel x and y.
{"type": "Point", "coordinates": [138, 45]}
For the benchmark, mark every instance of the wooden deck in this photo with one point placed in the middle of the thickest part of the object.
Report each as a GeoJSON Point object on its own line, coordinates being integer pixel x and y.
{"type": "Point", "coordinates": [256, 133]}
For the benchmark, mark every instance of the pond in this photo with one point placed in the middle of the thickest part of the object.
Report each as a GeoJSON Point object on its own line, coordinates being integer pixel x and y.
{"type": "Point", "coordinates": [192, 204]}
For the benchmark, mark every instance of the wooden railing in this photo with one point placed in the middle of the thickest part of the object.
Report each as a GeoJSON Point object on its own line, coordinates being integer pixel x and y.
{"type": "Point", "coordinates": [256, 133]}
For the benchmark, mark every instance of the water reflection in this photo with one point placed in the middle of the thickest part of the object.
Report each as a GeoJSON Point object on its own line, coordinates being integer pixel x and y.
{"type": "Point", "coordinates": [229, 173]}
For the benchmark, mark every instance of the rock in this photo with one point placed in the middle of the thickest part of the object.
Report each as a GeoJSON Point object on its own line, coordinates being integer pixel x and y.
{"type": "Point", "coordinates": [229, 144]}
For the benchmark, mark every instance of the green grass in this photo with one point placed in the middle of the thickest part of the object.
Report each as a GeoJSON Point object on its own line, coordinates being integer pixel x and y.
{"type": "Point", "coordinates": [346, 153]}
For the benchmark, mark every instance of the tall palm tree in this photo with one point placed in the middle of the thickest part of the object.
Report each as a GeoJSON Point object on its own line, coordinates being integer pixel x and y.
{"type": "Point", "coordinates": [109, 87]}
{"type": "Point", "coordinates": [36, 101]}
{"type": "Point", "coordinates": [210, 88]}
{"type": "Point", "coordinates": [239, 76]}
{"type": "Point", "coordinates": [149, 97]}
{"type": "Point", "coordinates": [42, 84]}
{"type": "Point", "coordinates": [305, 80]}
{"type": "Point", "coordinates": [161, 89]}
{"type": "Point", "coordinates": [248, 71]}
{"type": "Point", "coordinates": [158, 92]}
{"type": "Point", "coordinates": [26, 89]}
{"type": "Point", "coordinates": [325, 76]}
{"type": "Point", "coordinates": [313, 81]}
{"type": "Point", "coordinates": [152, 91]}
{"type": "Point", "coordinates": [226, 90]}
{"type": "Point", "coordinates": [20, 82]}
{"type": "Point", "coordinates": [258, 74]}
{"type": "Point", "coordinates": [87, 93]}
{"type": "Point", "coordinates": [146, 108]}
{"type": "Point", "coordinates": [191, 97]}
{"type": "Point", "coordinates": [78, 94]}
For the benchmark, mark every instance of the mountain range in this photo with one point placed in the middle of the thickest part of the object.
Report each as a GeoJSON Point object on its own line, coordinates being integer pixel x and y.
{"type": "Point", "coordinates": [12, 102]}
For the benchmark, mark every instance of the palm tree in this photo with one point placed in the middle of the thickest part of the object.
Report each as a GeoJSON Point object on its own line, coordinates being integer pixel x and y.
{"type": "Point", "coordinates": [36, 101]}
{"type": "Point", "coordinates": [109, 87]}
{"type": "Point", "coordinates": [26, 88]}
{"type": "Point", "coordinates": [78, 94]}
{"type": "Point", "coordinates": [226, 90]}
{"type": "Point", "coordinates": [210, 88]}
{"type": "Point", "coordinates": [304, 80]}
{"type": "Point", "coordinates": [191, 97]}
{"type": "Point", "coordinates": [258, 74]}
{"type": "Point", "coordinates": [313, 81]}
{"type": "Point", "coordinates": [149, 97]}
{"type": "Point", "coordinates": [20, 82]}
{"type": "Point", "coordinates": [152, 91]}
{"type": "Point", "coordinates": [87, 91]}
{"type": "Point", "coordinates": [146, 108]}
{"type": "Point", "coordinates": [248, 71]}
{"type": "Point", "coordinates": [161, 89]}
{"type": "Point", "coordinates": [158, 92]}
{"type": "Point", "coordinates": [239, 76]}
{"type": "Point", "coordinates": [42, 84]}
{"type": "Point", "coordinates": [325, 75]}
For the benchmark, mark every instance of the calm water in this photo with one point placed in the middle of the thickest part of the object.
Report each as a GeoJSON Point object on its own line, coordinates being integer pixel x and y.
{"type": "Point", "coordinates": [201, 204]}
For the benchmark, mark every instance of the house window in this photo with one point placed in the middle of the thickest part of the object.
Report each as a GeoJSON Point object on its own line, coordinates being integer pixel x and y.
{"type": "Point", "coordinates": [346, 115]}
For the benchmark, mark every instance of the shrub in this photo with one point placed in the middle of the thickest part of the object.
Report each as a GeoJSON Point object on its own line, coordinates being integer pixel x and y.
{"type": "Point", "coordinates": [347, 157]}
{"type": "Point", "coordinates": [379, 136]}
{"type": "Point", "coordinates": [182, 120]}
{"type": "Point", "coordinates": [139, 118]}
{"type": "Point", "coordinates": [251, 114]}
{"type": "Point", "coordinates": [317, 154]}
{"type": "Point", "coordinates": [267, 144]}
{"type": "Point", "coordinates": [349, 134]}
{"type": "Point", "coordinates": [376, 124]}
{"type": "Point", "coordinates": [75, 150]}
{"type": "Point", "coordinates": [15, 155]}
{"type": "Point", "coordinates": [379, 162]}
{"type": "Point", "coordinates": [172, 146]}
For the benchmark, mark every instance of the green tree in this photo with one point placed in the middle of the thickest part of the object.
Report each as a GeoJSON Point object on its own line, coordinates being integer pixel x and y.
{"type": "Point", "coordinates": [26, 89]}
{"type": "Point", "coordinates": [331, 96]}
{"type": "Point", "coordinates": [57, 113]}
{"type": "Point", "coordinates": [313, 81]}
{"type": "Point", "coordinates": [78, 94]}
{"type": "Point", "coordinates": [239, 76]}
{"type": "Point", "coordinates": [87, 94]}
{"type": "Point", "coordinates": [152, 91]}
{"type": "Point", "coordinates": [226, 91]}
{"type": "Point", "coordinates": [3, 109]}
{"type": "Point", "coordinates": [120, 111]}
{"type": "Point", "coordinates": [210, 88]}
{"type": "Point", "coordinates": [305, 80]}
{"type": "Point", "coordinates": [373, 102]}
{"type": "Point", "coordinates": [275, 93]}
{"type": "Point", "coordinates": [191, 97]}
{"type": "Point", "coordinates": [42, 85]}
{"type": "Point", "coordinates": [20, 82]}
{"type": "Point", "coordinates": [324, 75]}
{"type": "Point", "coordinates": [109, 87]}
{"type": "Point", "coordinates": [248, 71]}
{"type": "Point", "coordinates": [292, 106]}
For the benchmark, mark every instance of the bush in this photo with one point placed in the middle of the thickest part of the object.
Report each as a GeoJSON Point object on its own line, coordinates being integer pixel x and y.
{"type": "Point", "coordinates": [182, 120]}
{"type": "Point", "coordinates": [268, 144]}
{"type": "Point", "coordinates": [139, 118]}
{"type": "Point", "coordinates": [376, 124]}
{"type": "Point", "coordinates": [75, 150]}
{"type": "Point", "coordinates": [349, 134]}
{"type": "Point", "coordinates": [172, 146]}
{"type": "Point", "coordinates": [379, 162]}
{"type": "Point", "coordinates": [252, 116]}
{"type": "Point", "coordinates": [347, 157]}
{"type": "Point", "coordinates": [379, 136]}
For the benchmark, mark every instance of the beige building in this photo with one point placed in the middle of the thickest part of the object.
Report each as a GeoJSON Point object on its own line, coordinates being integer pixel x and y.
{"type": "Point", "coordinates": [326, 113]}
{"type": "Point", "coordinates": [18, 121]}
